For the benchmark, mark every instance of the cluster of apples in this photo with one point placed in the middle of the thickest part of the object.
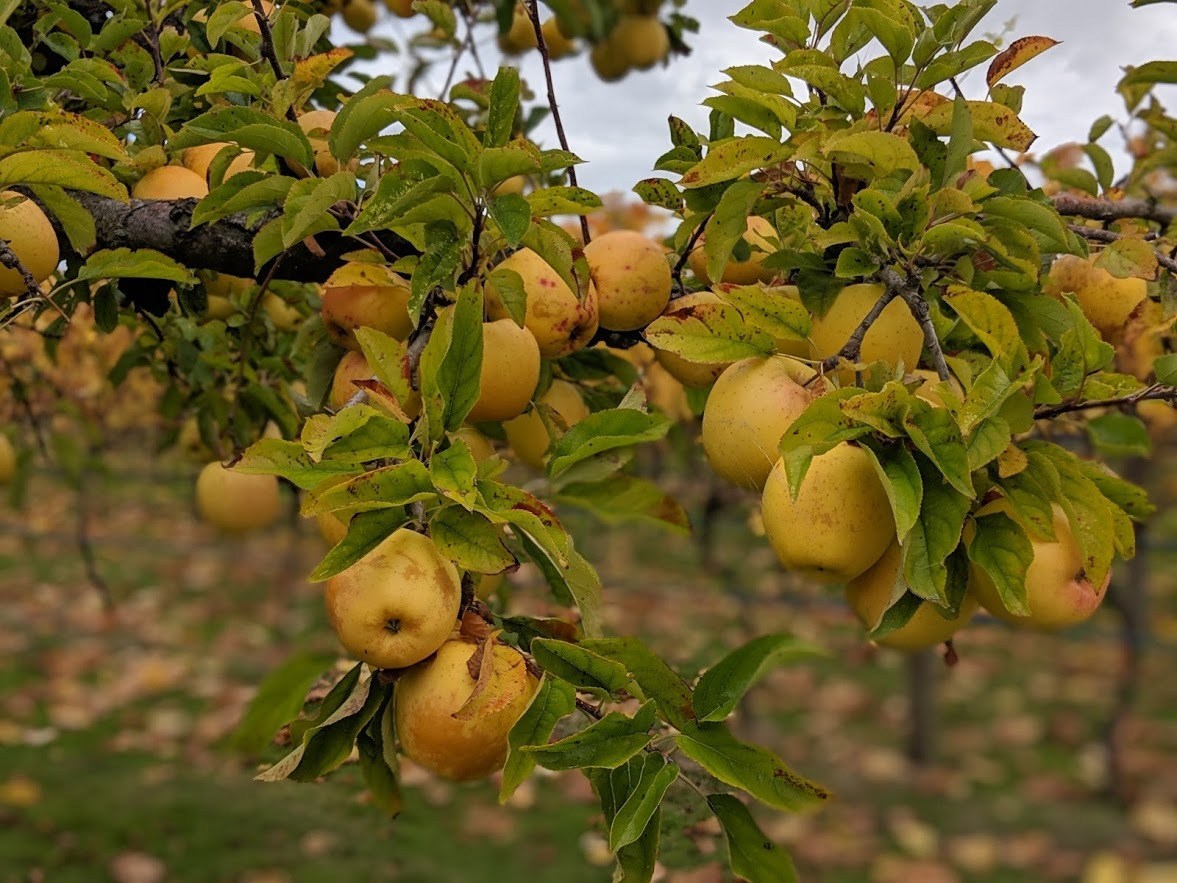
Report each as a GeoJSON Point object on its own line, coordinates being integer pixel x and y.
{"type": "Point", "coordinates": [840, 528]}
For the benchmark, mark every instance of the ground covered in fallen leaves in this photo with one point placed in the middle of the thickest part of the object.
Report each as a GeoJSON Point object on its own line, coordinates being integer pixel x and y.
{"type": "Point", "coordinates": [113, 762]}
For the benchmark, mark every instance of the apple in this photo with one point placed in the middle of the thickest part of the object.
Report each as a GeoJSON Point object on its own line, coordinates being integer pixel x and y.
{"type": "Point", "coordinates": [510, 371]}
{"type": "Point", "coordinates": [520, 37]}
{"type": "Point", "coordinates": [894, 338]}
{"type": "Point", "coordinates": [695, 375]}
{"type": "Point", "coordinates": [641, 40]}
{"type": "Point", "coordinates": [428, 696]}
{"type": "Point", "coordinates": [632, 279]}
{"type": "Point", "coordinates": [841, 521]}
{"type": "Point", "coordinates": [560, 321]}
{"type": "Point", "coordinates": [869, 595]}
{"type": "Point", "coordinates": [747, 272]}
{"type": "Point", "coordinates": [198, 159]}
{"type": "Point", "coordinates": [527, 433]}
{"type": "Point", "coordinates": [365, 295]}
{"type": "Point", "coordinates": [1058, 593]}
{"type": "Point", "coordinates": [749, 408]}
{"type": "Point", "coordinates": [31, 238]}
{"type": "Point", "coordinates": [397, 604]}
{"type": "Point", "coordinates": [236, 502]}
{"type": "Point", "coordinates": [170, 182]}
{"type": "Point", "coordinates": [7, 460]}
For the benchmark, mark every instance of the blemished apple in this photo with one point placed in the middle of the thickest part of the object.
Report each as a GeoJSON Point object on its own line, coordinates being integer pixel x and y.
{"type": "Point", "coordinates": [894, 338]}
{"type": "Point", "coordinates": [632, 278]}
{"type": "Point", "coordinates": [397, 604]}
{"type": "Point", "coordinates": [510, 371]}
{"type": "Point", "coordinates": [428, 696]}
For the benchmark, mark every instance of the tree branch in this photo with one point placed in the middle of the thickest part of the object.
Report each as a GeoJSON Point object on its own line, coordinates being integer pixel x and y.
{"type": "Point", "coordinates": [853, 348]}
{"type": "Point", "coordinates": [532, 7]}
{"type": "Point", "coordinates": [1095, 235]}
{"type": "Point", "coordinates": [1155, 393]}
{"type": "Point", "coordinates": [225, 246]}
{"type": "Point", "coordinates": [1113, 209]}
{"type": "Point", "coordinates": [9, 259]}
{"type": "Point", "coordinates": [908, 289]}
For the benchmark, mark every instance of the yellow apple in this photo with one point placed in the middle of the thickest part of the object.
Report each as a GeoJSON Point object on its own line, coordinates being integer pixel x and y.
{"type": "Point", "coordinates": [520, 37]}
{"type": "Point", "coordinates": [316, 124]}
{"type": "Point", "coordinates": [608, 62]}
{"type": "Point", "coordinates": [198, 159]}
{"type": "Point", "coordinates": [515, 184]}
{"type": "Point", "coordinates": [1106, 300]}
{"type": "Point", "coordinates": [641, 40]}
{"type": "Point", "coordinates": [747, 272]}
{"type": "Point", "coordinates": [1058, 593]}
{"type": "Point", "coordinates": [480, 446]}
{"type": "Point", "coordinates": [750, 407]}
{"type": "Point", "coordinates": [561, 323]}
{"type": "Point", "coordinates": [667, 394]}
{"type": "Point", "coordinates": [695, 375]}
{"type": "Point", "coordinates": [841, 522]}
{"type": "Point", "coordinates": [170, 182]}
{"type": "Point", "coordinates": [510, 371]}
{"type": "Point", "coordinates": [870, 593]}
{"type": "Point", "coordinates": [363, 295]}
{"type": "Point", "coordinates": [895, 336]}
{"type": "Point", "coordinates": [30, 236]}
{"type": "Point", "coordinates": [353, 366]}
{"type": "Point", "coordinates": [234, 501]}
{"type": "Point", "coordinates": [527, 434]}
{"type": "Point", "coordinates": [360, 16]}
{"type": "Point", "coordinates": [428, 696]}
{"type": "Point", "coordinates": [285, 317]}
{"type": "Point", "coordinates": [558, 45]}
{"type": "Point", "coordinates": [7, 460]}
{"type": "Point", "coordinates": [397, 604]}
{"type": "Point", "coordinates": [403, 8]}
{"type": "Point", "coordinates": [632, 279]}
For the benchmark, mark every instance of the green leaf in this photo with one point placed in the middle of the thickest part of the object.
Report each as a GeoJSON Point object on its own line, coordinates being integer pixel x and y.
{"type": "Point", "coordinates": [883, 153]}
{"type": "Point", "coordinates": [625, 498]}
{"type": "Point", "coordinates": [657, 680]}
{"type": "Point", "coordinates": [900, 475]}
{"type": "Point", "coordinates": [721, 687]}
{"type": "Point", "coordinates": [287, 459]}
{"type": "Point", "coordinates": [579, 666]}
{"type": "Point", "coordinates": [934, 537]}
{"type": "Point", "coordinates": [382, 488]}
{"type": "Point", "coordinates": [470, 540]}
{"type": "Point", "coordinates": [992, 322]}
{"type": "Point", "coordinates": [1166, 369]}
{"type": "Point", "coordinates": [125, 263]}
{"type": "Point", "coordinates": [69, 169]}
{"type": "Point", "coordinates": [770, 310]}
{"type": "Point", "coordinates": [247, 127]}
{"type": "Point", "coordinates": [378, 761]}
{"type": "Point", "coordinates": [553, 701]}
{"type": "Point", "coordinates": [278, 700]}
{"type": "Point", "coordinates": [1001, 548]}
{"type": "Point", "coordinates": [708, 333]}
{"type": "Point", "coordinates": [603, 431]}
{"type": "Point", "coordinates": [451, 366]}
{"type": "Point", "coordinates": [992, 122]}
{"type": "Point", "coordinates": [550, 201]}
{"type": "Point", "coordinates": [508, 285]}
{"type": "Point", "coordinates": [512, 213]}
{"type": "Point", "coordinates": [820, 428]}
{"type": "Point", "coordinates": [1119, 435]}
{"type": "Point", "coordinates": [654, 779]}
{"type": "Point", "coordinates": [607, 744]}
{"type": "Point", "coordinates": [752, 855]}
{"type": "Point", "coordinates": [635, 862]}
{"type": "Point", "coordinates": [749, 767]}
{"type": "Point", "coordinates": [731, 158]}
{"type": "Point", "coordinates": [504, 105]}
{"type": "Point", "coordinates": [936, 434]}
{"type": "Point", "coordinates": [365, 532]}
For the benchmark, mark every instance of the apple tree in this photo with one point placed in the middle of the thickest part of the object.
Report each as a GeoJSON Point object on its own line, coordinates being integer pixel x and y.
{"type": "Point", "coordinates": [899, 330]}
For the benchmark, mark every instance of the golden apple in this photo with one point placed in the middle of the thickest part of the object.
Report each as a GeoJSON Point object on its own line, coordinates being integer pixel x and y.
{"type": "Point", "coordinates": [316, 124]}
{"type": "Point", "coordinates": [31, 238]}
{"type": "Point", "coordinates": [428, 696]}
{"type": "Point", "coordinates": [360, 16]}
{"type": "Point", "coordinates": [510, 371]}
{"type": "Point", "coordinates": [527, 434]}
{"type": "Point", "coordinates": [870, 593]}
{"type": "Point", "coordinates": [750, 407]}
{"type": "Point", "coordinates": [747, 272]}
{"type": "Point", "coordinates": [403, 8]}
{"type": "Point", "coordinates": [363, 295]}
{"type": "Point", "coordinates": [558, 45]}
{"type": "Point", "coordinates": [841, 522]}
{"type": "Point", "coordinates": [198, 159]}
{"type": "Point", "coordinates": [353, 366]}
{"type": "Point", "coordinates": [397, 604]}
{"type": "Point", "coordinates": [7, 460]}
{"type": "Point", "coordinates": [170, 182]}
{"type": "Point", "coordinates": [480, 446]}
{"type": "Point", "coordinates": [520, 37]}
{"type": "Point", "coordinates": [632, 279]}
{"type": "Point", "coordinates": [285, 317]}
{"type": "Point", "coordinates": [561, 323]}
{"type": "Point", "coordinates": [1058, 593]}
{"type": "Point", "coordinates": [608, 61]}
{"type": "Point", "coordinates": [895, 336]}
{"type": "Point", "coordinates": [695, 375]}
{"type": "Point", "coordinates": [641, 40]}
{"type": "Point", "coordinates": [234, 501]}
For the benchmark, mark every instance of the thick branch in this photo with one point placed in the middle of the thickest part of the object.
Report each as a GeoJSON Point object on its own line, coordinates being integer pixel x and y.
{"type": "Point", "coordinates": [225, 246]}
{"type": "Point", "coordinates": [1154, 393]}
{"type": "Point", "coordinates": [853, 348]}
{"type": "Point", "coordinates": [1113, 209]}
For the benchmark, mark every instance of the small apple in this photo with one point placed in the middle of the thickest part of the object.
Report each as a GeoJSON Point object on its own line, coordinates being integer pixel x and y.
{"type": "Point", "coordinates": [31, 238]}
{"type": "Point", "coordinates": [236, 502]}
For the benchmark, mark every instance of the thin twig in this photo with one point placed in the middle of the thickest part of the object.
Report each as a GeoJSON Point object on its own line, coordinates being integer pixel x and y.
{"type": "Point", "coordinates": [681, 264]}
{"type": "Point", "coordinates": [86, 548]}
{"type": "Point", "coordinates": [1108, 236]}
{"type": "Point", "coordinates": [1155, 393]}
{"type": "Point", "coordinates": [269, 53]}
{"type": "Point", "coordinates": [9, 259]}
{"type": "Point", "coordinates": [532, 8]}
{"type": "Point", "coordinates": [853, 348]}
{"type": "Point", "coordinates": [1113, 209]}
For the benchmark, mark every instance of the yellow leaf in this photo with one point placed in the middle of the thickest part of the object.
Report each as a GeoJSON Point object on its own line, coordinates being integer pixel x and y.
{"type": "Point", "coordinates": [1017, 54]}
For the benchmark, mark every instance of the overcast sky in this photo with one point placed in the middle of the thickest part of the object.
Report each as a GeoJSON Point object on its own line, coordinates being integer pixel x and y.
{"type": "Point", "coordinates": [620, 128]}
